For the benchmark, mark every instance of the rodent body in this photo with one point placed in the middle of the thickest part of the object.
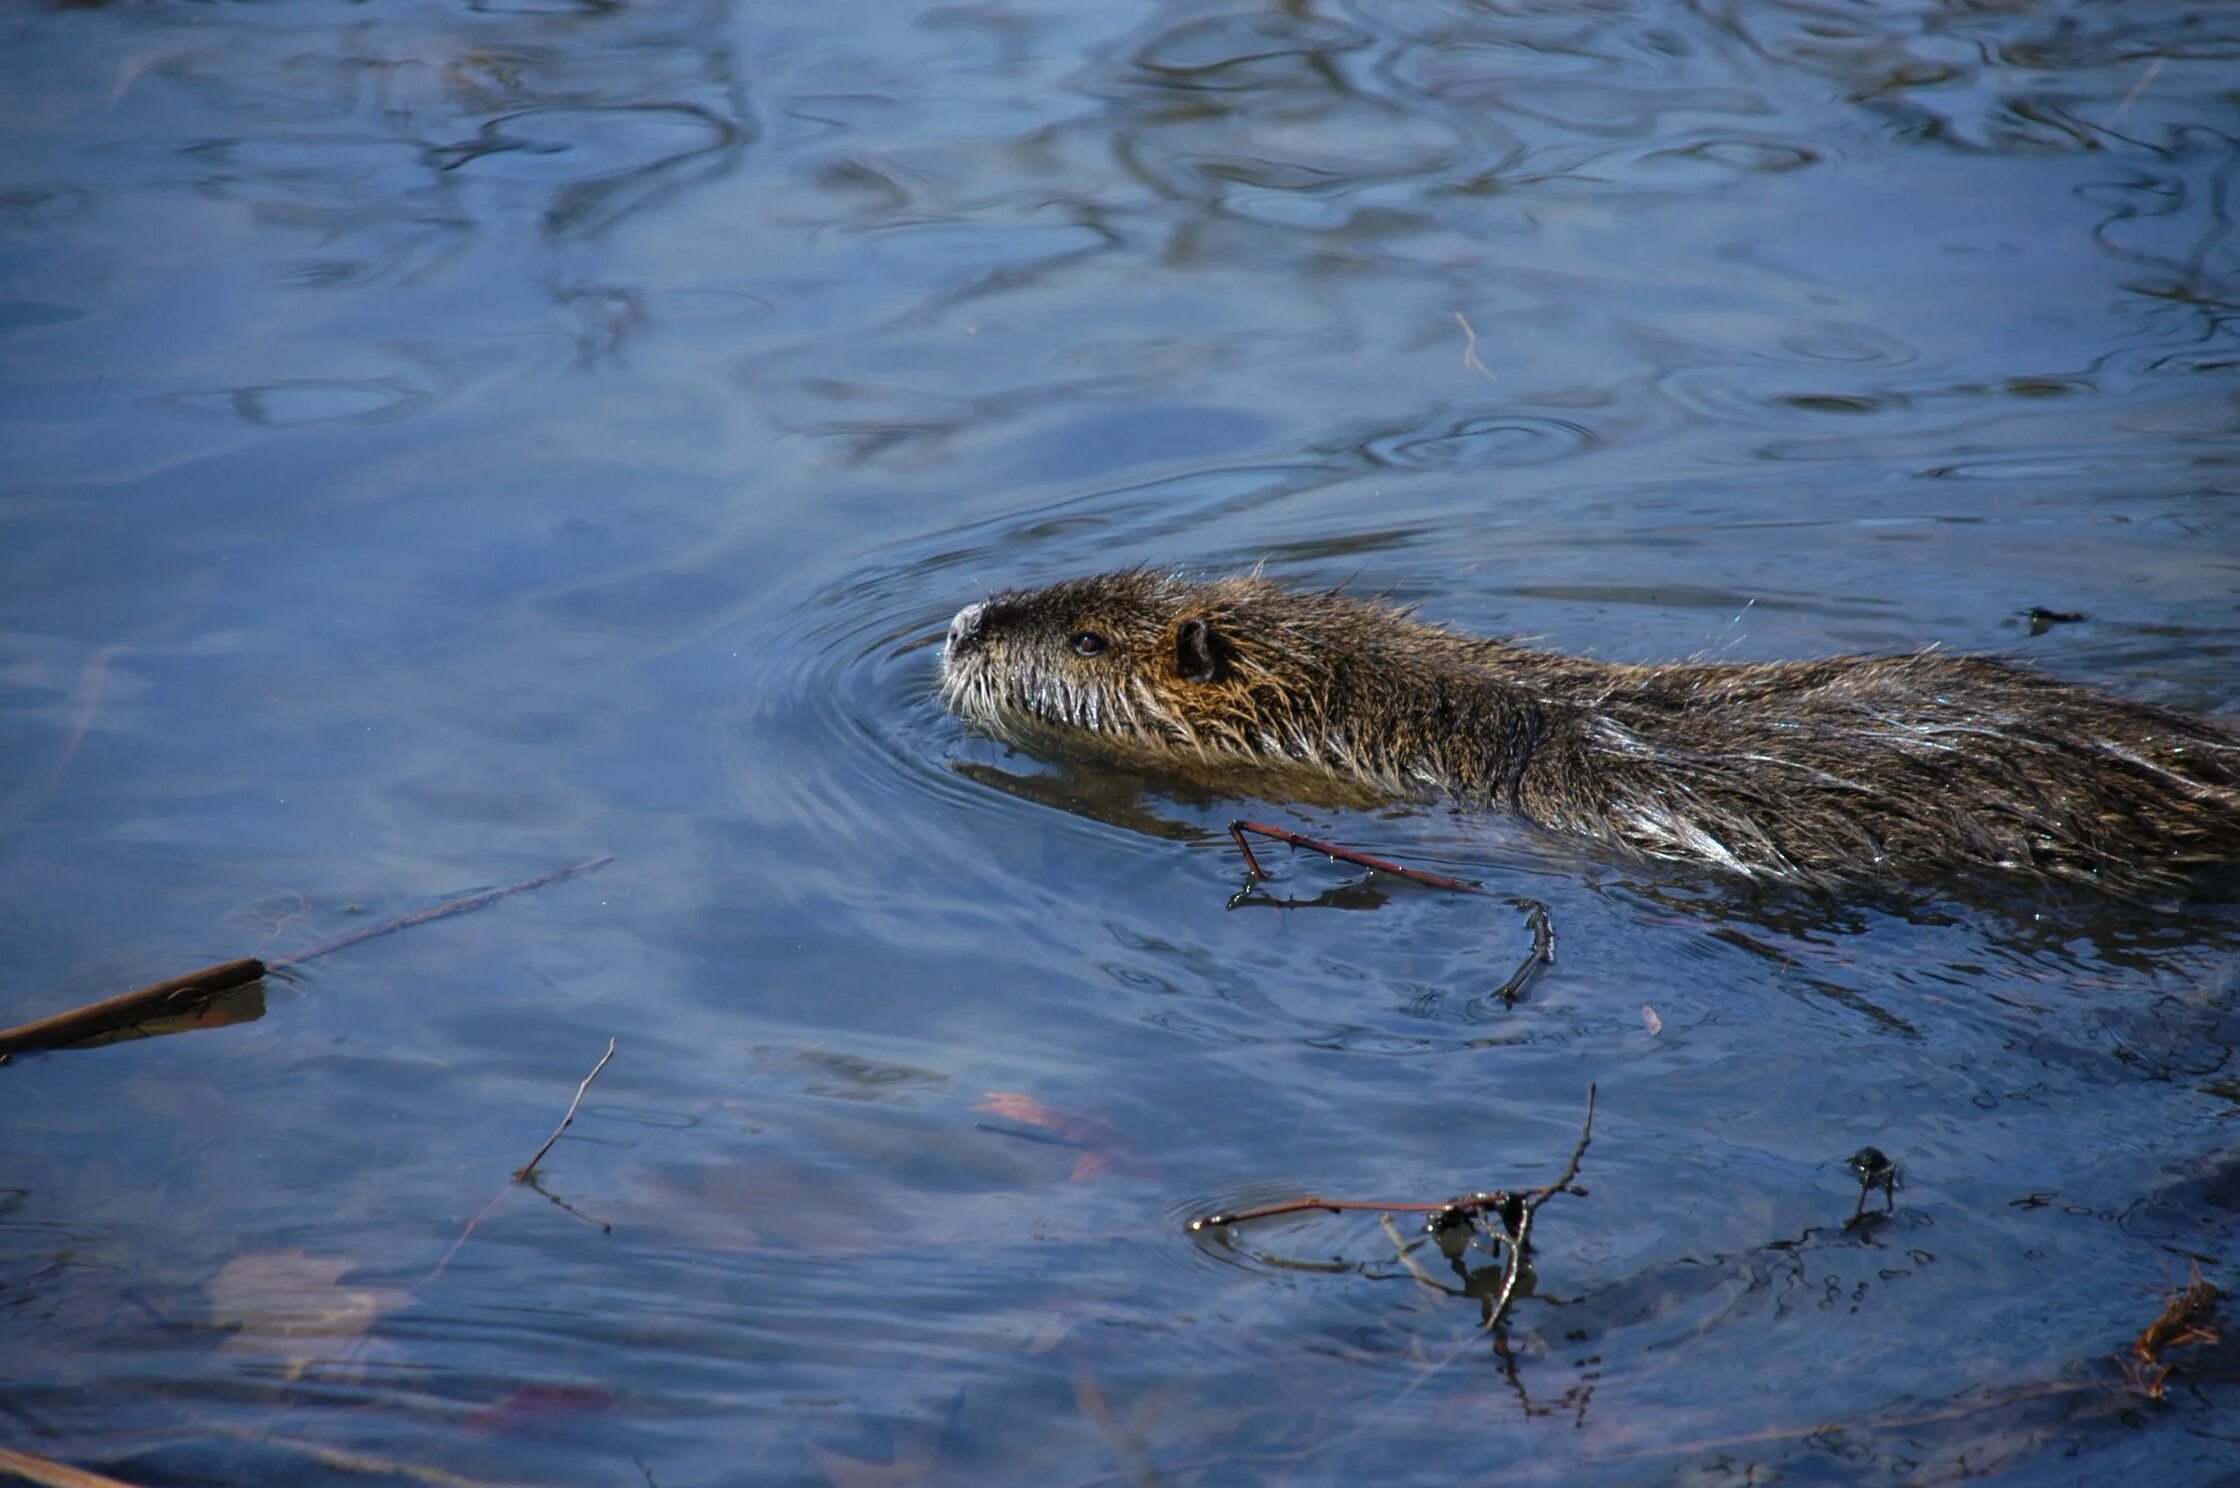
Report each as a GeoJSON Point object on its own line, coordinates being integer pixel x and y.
{"type": "Point", "coordinates": [1813, 771]}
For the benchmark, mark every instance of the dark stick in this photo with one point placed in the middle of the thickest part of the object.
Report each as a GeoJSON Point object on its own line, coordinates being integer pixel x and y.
{"type": "Point", "coordinates": [1512, 1270]}
{"type": "Point", "coordinates": [175, 995]}
{"type": "Point", "coordinates": [1237, 829]}
{"type": "Point", "coordinates": [522, 1173]}
{"type": "Point", "coordinates": [1251, 864]}
{"type": "Point", "coordinates": [1513, 1262]}
{"type": "Point", "coordinates": [1495, 1215]}
{"type": "Point", "coordinates": [1543, 952]}
{"type": "Point", "coordinates": [441, 911]}
{"type": "Point", "coordinates": [1539, 1196]}
{"type": "Point", "coordinates": [183, 992]}
{"type": "Point", "coordinates": [1313, 1204]}
{"type": "Point", "coordinates": [1486, 1202]}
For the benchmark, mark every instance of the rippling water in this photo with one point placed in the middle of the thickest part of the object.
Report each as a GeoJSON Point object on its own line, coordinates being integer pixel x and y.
{"type": "Point", "coordinates": [444, 442]}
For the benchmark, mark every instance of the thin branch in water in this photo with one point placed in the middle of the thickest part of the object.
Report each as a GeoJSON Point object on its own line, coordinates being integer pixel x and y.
{"type": "Point", "coordinates": [159, 999]}
{"type": "Point", "coordinates": [536, 1183]}
{"type": "Point", "coordinates": [442, 911]}
{"type": "Point", "coordinates": [1237, 829]}
{"type": "Point", "coordinates": [182, 993]}
{"type": "Point", "coordinates": [1534, 1199]}
{"type": "Point", "coordinates": [1512, 1270]}
{"type": "Point", "coordinates": [1316, 1204]}
{"type": "Point", "coordinates": [1519, 1234]}
{"type": "Point", "coordinates": [1543, 952]}
{"type": "Point", "coordinates": [1491, 1217]}
{"type": "Point", "coordinates": [1448, 1210]}
{"type": "Point", "coordinates": [521, 1174]}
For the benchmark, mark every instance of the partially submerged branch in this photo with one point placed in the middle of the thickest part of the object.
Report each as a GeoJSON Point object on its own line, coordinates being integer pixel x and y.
{"type": "Point", "coordinates": [1541, 1195]}
{"type": "Point", "coordinates": [1543, 952]}
{"type": "Point", "coordinates": [521, 1174]}
{"type": "Point", "coordinates": [1237, 829]}
{"type": "Point", "coordinates": [157, 1000]}
{"type": "Point", "coordinates": [464, 904]}
{"type": "Point", "coordinates": [526, 1172]}
{"type": "Point", "coordinates": [182, 993]}
{"type": "Point", "coordinates": [1498, 1220]}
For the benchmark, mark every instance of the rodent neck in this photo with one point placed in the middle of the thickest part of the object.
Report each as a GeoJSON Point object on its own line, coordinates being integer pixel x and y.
{"type": "Point", "coordinates": [1453, 729]}
{"type": "Point", "coordinates": [1483, 736]}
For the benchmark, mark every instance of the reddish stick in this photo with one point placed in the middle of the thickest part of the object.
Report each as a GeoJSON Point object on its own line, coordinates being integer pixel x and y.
{"type": "Point", "coordinates": [1467, 1202]}
{"type": "Point", "coordinates": [1237, 829]}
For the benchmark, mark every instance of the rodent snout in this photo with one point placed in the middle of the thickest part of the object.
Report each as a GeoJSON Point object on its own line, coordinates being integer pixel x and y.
{"type": "Point", "coordinates": [965, 628]}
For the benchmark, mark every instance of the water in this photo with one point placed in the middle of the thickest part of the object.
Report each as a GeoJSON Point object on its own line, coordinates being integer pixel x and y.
{"type": "Point", "coordinates": [443, 443]}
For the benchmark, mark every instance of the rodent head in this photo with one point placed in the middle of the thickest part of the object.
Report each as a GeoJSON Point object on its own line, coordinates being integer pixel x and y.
{"type": "Point", "coordinates": [1226, 670]}
{"type": "Point", "coordinates": [1124, 655]}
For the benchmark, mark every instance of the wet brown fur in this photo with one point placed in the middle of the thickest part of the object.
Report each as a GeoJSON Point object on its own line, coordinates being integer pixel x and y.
{"type": "Point", "coordinates": [1811, 770]}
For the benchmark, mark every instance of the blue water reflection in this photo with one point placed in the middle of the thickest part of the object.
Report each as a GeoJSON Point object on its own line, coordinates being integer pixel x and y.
{"type": "Point", "coordinates": [440, 443]}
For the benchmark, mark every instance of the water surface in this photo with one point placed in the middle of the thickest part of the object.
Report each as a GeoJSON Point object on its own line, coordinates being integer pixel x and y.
{"type": "Point", "coordinates": [445, 442]}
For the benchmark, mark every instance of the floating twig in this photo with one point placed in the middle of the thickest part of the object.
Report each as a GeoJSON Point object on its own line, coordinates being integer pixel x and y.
{"type": "Point", "coordinates": [1316, 1204]}
{"type": "Point", "coordinates": [1518, 1233]}
{"type": "Point", "coordinates": [462, 905]}
{"type": "Point", "coordinates": [523, 1173]}
{"type": "Point", "coordinates": [1495, 1217]}
{"type": "Point", "coordinates": [1543, 952]}
{"type": "Point", "coordinates": [1513, 1254]}
{"type": "Point", "coordinates": [1237, 829]}
{"type": "Point", "coordinates": [2187, 1318]}
{"type": "Point", "coordinates": [181, 993]}
{"type": "Point", "coordinates": [1460, 1207]}
{"type": "Point", "coordinates": [1534, 1199]}
{"type": "Point", "coordinates": [158, 999]}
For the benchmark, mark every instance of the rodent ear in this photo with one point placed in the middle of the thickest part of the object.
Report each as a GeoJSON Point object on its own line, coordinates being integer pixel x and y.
{"type": "Point", "coordinates": [1196, 655]}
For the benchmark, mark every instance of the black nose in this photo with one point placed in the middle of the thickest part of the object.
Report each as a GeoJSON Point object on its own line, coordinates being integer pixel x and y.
{"type": "Point", "coordinates": [965, 629]}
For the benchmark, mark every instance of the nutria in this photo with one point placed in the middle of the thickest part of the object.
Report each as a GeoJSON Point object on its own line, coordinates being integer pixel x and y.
{"type": "Point", "coordinates": [1815, 771]}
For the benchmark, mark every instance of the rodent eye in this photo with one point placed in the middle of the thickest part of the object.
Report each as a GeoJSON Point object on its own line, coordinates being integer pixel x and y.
{"type": "Point", "coordinates": [1088, 643]}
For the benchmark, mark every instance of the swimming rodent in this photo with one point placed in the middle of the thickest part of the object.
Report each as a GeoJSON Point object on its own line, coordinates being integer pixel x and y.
{"type": "Point", "coordinates": [1812, 771]}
